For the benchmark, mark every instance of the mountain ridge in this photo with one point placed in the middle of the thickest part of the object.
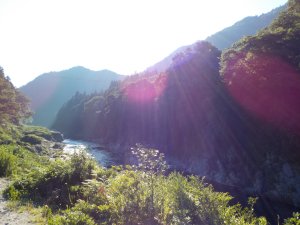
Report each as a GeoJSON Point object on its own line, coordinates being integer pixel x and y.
{"type": "Point", "coordinates": [232, 117]}
{"type": "Point", "coordinates": [226, 37]}
{"type": "Point", "coordinates": [49, 91]}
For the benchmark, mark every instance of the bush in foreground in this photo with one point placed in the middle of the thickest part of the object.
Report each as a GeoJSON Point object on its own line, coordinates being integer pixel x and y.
{"type": "Point", "coordinates": [78, 191]}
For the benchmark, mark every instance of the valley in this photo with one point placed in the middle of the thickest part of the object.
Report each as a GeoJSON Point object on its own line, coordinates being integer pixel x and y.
{"type": "Point", "coordinates": [102, 156]}
{"type": "Point", "coordinates": [209, 135]}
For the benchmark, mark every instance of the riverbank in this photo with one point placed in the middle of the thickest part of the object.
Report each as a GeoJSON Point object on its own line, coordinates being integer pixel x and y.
{"type": "Point", "coordinates": [96, 151]}
{"type": "Point", "coordinates": [265, 206]}
{"type": "Point", "coordinates": [8, 216]}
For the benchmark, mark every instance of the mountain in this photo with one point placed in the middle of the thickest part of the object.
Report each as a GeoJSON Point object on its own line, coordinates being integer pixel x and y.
{"type": "Point", "coordinates": [226, 37]}
{"type": "Point", "coordinates": [230, 116]}
{"type": "Point", "coordinates": [245, 27]}
{"type": "Point", "coordinates": [49, 91]}
{"type": "Point", "coordinates": [262, 75]}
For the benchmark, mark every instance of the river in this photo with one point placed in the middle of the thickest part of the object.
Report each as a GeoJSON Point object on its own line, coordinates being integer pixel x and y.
{"type": "Point", "coordinates": [265, 206]}
{"type": "Point", "coordinates": [103, 157]}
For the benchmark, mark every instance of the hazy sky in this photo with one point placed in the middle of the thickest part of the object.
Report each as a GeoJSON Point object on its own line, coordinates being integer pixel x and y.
{"type": "Point", "coordinates": [125, 36]}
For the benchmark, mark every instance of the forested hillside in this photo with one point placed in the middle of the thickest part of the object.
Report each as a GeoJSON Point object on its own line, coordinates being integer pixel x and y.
{"type": "Point", "coordinates": [238, 127]}
{"type": "Point", "coordinates": [60, 189]}
{"type": "Point", "coordinates": [245, 27]}
{"type": "Point", "coordinates": [228, 36]}
{"type": "Point", "coordinates": [231, 116]}
{"type": "Point", "coordinates": [48, 92]}
{"type": "Point", "coordinates": [13, 105]}
{"type": "Point", "coordinates": [261, 72]}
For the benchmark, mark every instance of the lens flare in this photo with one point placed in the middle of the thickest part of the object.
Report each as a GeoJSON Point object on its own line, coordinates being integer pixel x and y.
{"type": "Point", "coordinates": [145, 90]}
{"type": "Point", "coordinates": [266, 86]}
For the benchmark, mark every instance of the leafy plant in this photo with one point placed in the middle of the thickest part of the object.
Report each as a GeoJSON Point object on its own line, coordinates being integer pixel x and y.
{"type": "Point", "coordinates": [7, 163]}
{"type": "Point", "coordinates": [54, 183]}
{"type": "Point", "coordinates": [294, 220]}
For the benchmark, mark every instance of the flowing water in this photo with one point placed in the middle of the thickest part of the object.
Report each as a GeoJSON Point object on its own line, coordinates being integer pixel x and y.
{"type": "Point", "coordinates": [102, 156]}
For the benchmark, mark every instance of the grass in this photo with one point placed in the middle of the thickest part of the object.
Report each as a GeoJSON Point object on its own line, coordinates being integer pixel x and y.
{"type": "Point", "coordinates": [79, 191]}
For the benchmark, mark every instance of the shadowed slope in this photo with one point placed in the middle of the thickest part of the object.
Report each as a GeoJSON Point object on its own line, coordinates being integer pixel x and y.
{"type": "Point", "coordinates": [49, 91]}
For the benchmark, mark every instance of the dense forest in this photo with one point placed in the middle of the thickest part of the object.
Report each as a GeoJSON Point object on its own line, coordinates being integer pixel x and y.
{"type": "Point", "coordinates": [64, 189]}
{"type": "Point", "coordinates": [232, 117]}
{"type": "Point", "coordinates": [13, 105]}
{"type": "Point", "coordinates": [228, 118]}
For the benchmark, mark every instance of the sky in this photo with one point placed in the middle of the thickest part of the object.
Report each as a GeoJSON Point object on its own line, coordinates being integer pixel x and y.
{"type": "Point", "coordinates": [39, 36]}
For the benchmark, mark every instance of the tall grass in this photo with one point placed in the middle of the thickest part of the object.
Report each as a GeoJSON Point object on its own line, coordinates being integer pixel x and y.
{"type": "Point", "coordinates": [7, 162]}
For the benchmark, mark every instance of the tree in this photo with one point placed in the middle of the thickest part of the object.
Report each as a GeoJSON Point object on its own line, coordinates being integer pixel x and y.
{"type": "Point", "coordinates": [13, 105]}
{"type": "Point", "coordinates": [151, 163]}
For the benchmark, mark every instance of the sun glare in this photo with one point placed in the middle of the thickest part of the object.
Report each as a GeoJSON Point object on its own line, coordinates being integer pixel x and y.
{"type": "Point", "coordinates": [123, 36]}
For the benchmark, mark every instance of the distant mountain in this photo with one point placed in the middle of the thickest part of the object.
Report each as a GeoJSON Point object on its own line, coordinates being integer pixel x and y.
{"type": "Point", "coordinates": [245, 27]}
{"type": "Point", "coordinates": [226, 37]}
{"type": "Point", "coordinates": [231, 116]}
{"type": "Point", "coordinates": [49, 91]}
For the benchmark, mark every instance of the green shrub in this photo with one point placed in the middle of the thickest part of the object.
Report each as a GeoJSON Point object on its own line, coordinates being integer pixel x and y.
{"type": "Point", "coordinates": [70, 217]}
{"type": "Point", "coordinates": [77, 191]}
{"type": "Point", "coordinates": [5, 138]}
{"type": "Point", "coordinates": [126, 199]}
{"type": "Point", "coordinates": [18, 161]}
{"type": "Point", "coordinates": [187, 200]}
{"type": "Point", "coordinates": [294, 220]}
{"type": "Point", "coordinates": [7, 162]}
{"type": "Point", "coordinates": [55, 183]}
{"type": "Point", "coordinates": [12, 193]}
{"type": "Point", "coordinates": [47, 212]}
{"type": "Point", "coordinates": [9, 133]}
{"type": "Point", "coordinates": [100, 213]}
{"type": "Point", "coordinates": [143, 195]}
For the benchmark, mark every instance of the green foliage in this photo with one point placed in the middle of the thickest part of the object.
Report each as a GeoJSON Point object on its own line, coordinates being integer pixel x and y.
{"type": "Point", "coordinates": [5, 136]}
{"type": "Point", "coordinates": [141, 108]}
{"type": "Point", "coordinates": [17, 161]}
{"type": "Point", "coordinates": [42, 132]}
{"type": "Point", "coordinates": [16, 134]}
{"type": "Point", "coordinates": [114, 196]}
{"type": "Point", "coordinates": [77, 191]}
{"type": "Point", "coordinates": [294, 220]}
{"type": "Point", "coordinates": [281, 38]}
{"type": "Point", "coordinates": [13, 105]}
{"type": "Point", "coordinates": [12, 193]}
{"type": "Point", "coordinates": [9, 133]}
{"type": "Point", "coordinates": [177, 200]}
{"type": "Point", "coordinates": [7, 162]}
{"type": "Point", "coordinates": [55, 183]}
{"type": "Point", "coordinates": [24, 161]}
{"type": "Point", "coordinates": [149, 160]}
{"type": "Point", "coordinates": [36, 130]}
{"type": "Point", "coordinates": [71, 217]}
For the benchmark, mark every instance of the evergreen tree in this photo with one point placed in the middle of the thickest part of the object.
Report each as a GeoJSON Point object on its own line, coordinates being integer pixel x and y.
{"type": "Point", "coordinates": [13, 105]}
